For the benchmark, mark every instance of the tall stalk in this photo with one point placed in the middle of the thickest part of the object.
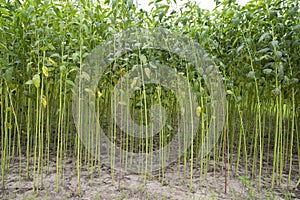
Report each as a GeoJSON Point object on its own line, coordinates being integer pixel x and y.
{"type": "Point", "coordinates": [258, 131]}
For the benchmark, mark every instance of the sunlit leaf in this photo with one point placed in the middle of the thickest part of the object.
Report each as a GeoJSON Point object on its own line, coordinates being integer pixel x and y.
{"type": "Point", "coordinates": [199, 110]}
{"type": "Point", "coordinates": [9, 126]}
{"type": "Point", "coordinates": [30, 82]}
{"type": "Point", "coordinates": [229, 92]}
{"type": "Point", "coordinates": [44, 101]}
{"type": "Point", "coordinates": [99, 94]}
{"type": "Point", "coordinates": [52, 61]}
{"type": "Point", "coordinates": [45, 71]}
{"type": "Point", "coordinates": [36, 80]}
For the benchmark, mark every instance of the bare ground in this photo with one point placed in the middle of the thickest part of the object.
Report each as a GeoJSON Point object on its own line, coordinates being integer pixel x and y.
{"type": "Point", "coordinates": [102, 183]}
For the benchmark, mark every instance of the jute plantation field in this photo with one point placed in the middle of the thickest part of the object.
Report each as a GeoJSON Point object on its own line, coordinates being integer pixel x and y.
{"type": "Point", "coordinates": [103, 100]}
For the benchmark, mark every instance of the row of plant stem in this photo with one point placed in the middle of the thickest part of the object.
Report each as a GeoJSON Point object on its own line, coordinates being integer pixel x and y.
{"type": "Point", "coordinates": [34, 139]}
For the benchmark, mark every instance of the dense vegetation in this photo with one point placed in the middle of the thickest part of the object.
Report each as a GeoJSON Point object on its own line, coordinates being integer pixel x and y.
{"type": "Point", "coordinates": [256, 47]}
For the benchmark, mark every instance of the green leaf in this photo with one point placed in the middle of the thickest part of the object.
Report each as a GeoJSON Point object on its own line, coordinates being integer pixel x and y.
{"type": "Point", "coordinates": [85, 55]}
{"type": "Point", "coordinates": [50, 46]}
{"type": "Point", "coordinates": [152, 65]}
{"type": "Point", "coordinates": [280, 71]}
{"type": "Point", "coordinates": [265, 57]}
{"type": "Point", "coordinates": [264, 36]}
{"type": "Point", "coordinates": [2, 45]}
{"type": "Point", "coordinates": [274, 43]}
{"type": "Point", "coordinates": [36, 80]}
{"type": "Point", "coordinates": [45, 71]}
{"type": "Point", "coordinates": [169, 127]}
{"type": "Point", "coordinates": [278, 54]}
{"type": "Point", "coordinates": [276, 91]}
{"type": "Point", "coordinates": [267, 71]}
{"type": "Point", "coordinates": [134, 82]}
{"type": "Point", "coordinates": [264, 50]}
{"type": "Point", "coordinates": [30, 82]}
{"type": "Point", "coordinates": [229, 92]}
{"type": "Point", "coordinates": [251, 75]}
{"type": "Point", "coordinates": [62, 68]}
{"type": "Point", "coordinates": [240, 48]}
{"type": "Point", "coordinates": [143, 59]}
{"type": "Point", "coordinates": [70, 82]}
{"type": "Point", "coordinates": [295, 80]}
{"type": "Point", "coordinates": [55, 55]}
{"type": "Point", "coordinates": [148, 72]}
{"type": "Point", "coordinates": [296, 28]}
{"type": "Point", "coordinates": [130, 4]}
{"type": "Point", "coordinates": [4, 11]}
